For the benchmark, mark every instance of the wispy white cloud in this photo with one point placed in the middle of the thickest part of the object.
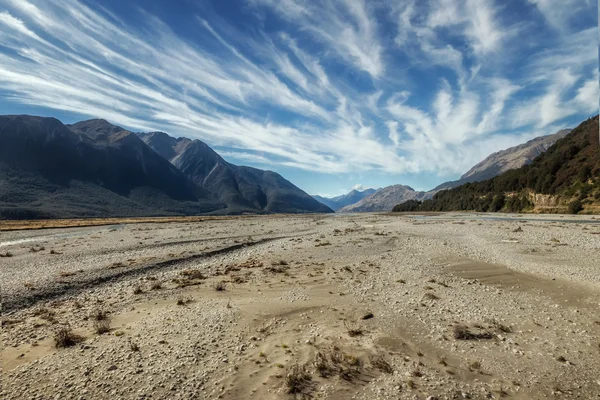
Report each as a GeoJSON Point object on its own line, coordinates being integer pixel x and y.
{"type": "Point", "coordinates": [560, 13]}
{"type": "Point", "coordinates": [322, 93]}
{"type": "Point", "coordinates": [345, 26]}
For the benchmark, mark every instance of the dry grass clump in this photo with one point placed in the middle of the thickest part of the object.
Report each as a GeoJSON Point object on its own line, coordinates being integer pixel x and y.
{"type": "Point", "coordinates": [475, 365]}
{"type": "Point", "coordinates": [381, 364]}
{"type": "Point", "coordinates": [138, 290]}
{"type": "Point", "coordinates": [102, 326]}
{"type": "Point", "coordinates": [353, 329]}
{"type": "Point", "coordinates": [431, 296]}
{"type": "Point", "coordinates": [101, 321]}
{"type": "Point", "coordinates": [182, 301]}
{"type": "Point", "coordinates": [239, 279]}
{"type": "Point", "coordinates": [248, 264]}
{"type": "Point", "coordinates": [298, 380]}
{"type": "Point", "coordinates": [193, 274]}
{"type": "Point", "coordinates": [65, 337]}
{"type": "Point", "coordinates": [501, 327]}
{"type": "Point", "coordinates": [100, 315]}
{"type": "Point", "coordinates": [335, 362]}
{"type": "Point", "coordinates": [220, 286]}
{"type": "Point", "coordinates": [322, 365]}
{"type": "Point", "coordinates": [278, 267]}
{"type": "Point", "coordinates": [462, 332]}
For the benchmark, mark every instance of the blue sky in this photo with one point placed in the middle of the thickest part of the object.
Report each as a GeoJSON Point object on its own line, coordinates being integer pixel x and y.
{"type": "Point", "coordinates": [331, 94]}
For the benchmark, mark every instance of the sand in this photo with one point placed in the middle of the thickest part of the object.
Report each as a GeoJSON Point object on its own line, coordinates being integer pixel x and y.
{"type": "Point", "coordinates": [358, 306]}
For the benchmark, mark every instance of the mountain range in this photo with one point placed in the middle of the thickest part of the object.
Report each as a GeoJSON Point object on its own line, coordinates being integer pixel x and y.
{"type": "Point", "coordinates": [497, 163]}
{"type": "Point", "coordinates": [505, 160]}
{"type": "Point", "coordinates": [354, 196]}
{"type": "Point", "coordinates": [96, 169]}
{"type": "Point", "coordinates": [565, 178]}
{"type": "Point", "coordinates": [242, 189]}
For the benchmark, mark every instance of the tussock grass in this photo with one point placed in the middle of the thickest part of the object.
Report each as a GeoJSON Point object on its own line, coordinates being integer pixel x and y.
{"type": "Point", "coordinates": [298, 380]}
{"type": "Point", "coordinates": [65, 337]}
{"type": "Point", "coordinates": [462, 332]}
{"type": "Point", "coordinates": [381, 364]}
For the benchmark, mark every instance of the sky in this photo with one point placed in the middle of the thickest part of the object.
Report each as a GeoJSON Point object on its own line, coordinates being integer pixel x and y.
{"type": "Point", "coordinates": [332, 94]}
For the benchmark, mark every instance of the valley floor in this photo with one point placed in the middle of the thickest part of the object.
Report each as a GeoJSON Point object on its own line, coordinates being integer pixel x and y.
{"type": "Point", "coordinates": [351, 306]}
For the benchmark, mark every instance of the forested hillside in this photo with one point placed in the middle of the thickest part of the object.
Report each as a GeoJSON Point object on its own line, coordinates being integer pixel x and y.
{"type": "Point", "coordinates": [566, 178]}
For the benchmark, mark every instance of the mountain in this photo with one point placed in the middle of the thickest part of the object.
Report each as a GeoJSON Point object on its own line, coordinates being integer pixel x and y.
{"type": "Point", "coordinates": [384, 199]}
{"type": "Point", "coordinates": [242, 189]}
{"type": "Point", "coordinates": [335, 203]}
{"type": "Point", "coordinates": [505, 160]}
{"type": "Point", "coordinates": [515, 157]}
{"type": "Point", "coordinates": [90, 169]}
{"type": "Point", "coordinates": [566, 178]}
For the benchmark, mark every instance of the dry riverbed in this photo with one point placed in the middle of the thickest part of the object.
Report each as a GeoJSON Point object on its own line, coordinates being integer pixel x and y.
{"type": "Point", "coordinates": [369, 306]}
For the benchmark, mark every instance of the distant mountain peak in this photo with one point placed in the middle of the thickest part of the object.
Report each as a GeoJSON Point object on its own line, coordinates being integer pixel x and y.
{"type": "Point", "coordinates": [338, 202]}
{"type": "Point", "coordinates": [384, 199]}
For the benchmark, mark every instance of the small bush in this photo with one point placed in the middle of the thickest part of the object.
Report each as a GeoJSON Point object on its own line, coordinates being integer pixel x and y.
{"type": "Point", "coordinates": [193, 274]}
{"type": "Point", "coordinates": [100, 315]}
{"type": "Point", "coordinates": [575, 207]}
{"type": "Point", "coordinates": [475, 365]}
{"type": "Point", "coordinates": [101, 326]}
{"type": "Point", "coordinates": [182, 301]}
{"type": "Point", "coordinates": [298, 380]}
{"type": "Point", "coordinates": [462, 332]}
{"type": "Point", "coordinates": [65, 337]}
{"type": "Point", "coordinates": [220, 286]}
{"type": "Point", "coordinates": [381, 364]}
{"type": "Point", "coordinates": [322, 365]}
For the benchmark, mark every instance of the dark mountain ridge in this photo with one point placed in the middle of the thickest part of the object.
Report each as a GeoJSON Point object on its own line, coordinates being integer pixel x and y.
{"type": "Point", "coordinates": [243, 189]}
{"type": "Point", "coordinates": [89, 169]}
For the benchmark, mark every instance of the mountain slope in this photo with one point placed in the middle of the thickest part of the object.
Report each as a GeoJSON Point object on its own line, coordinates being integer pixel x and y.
{"type": "Point", "coordinates": [243, 189]}
{"type": "Point", "coordinates": [90, 169]}
{"type": "Point", "coordinates": [564, 178]}
{"type": "Point", "coordinates": [384, 199]}
{"type": "Point", "coordinates": [354, 196]}
{"type": "Point", "coordinates": [505, 160]}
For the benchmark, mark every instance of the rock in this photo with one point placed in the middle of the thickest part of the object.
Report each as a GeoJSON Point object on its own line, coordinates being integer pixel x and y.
{"type": "Point", "coordinates": [368, 316]}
